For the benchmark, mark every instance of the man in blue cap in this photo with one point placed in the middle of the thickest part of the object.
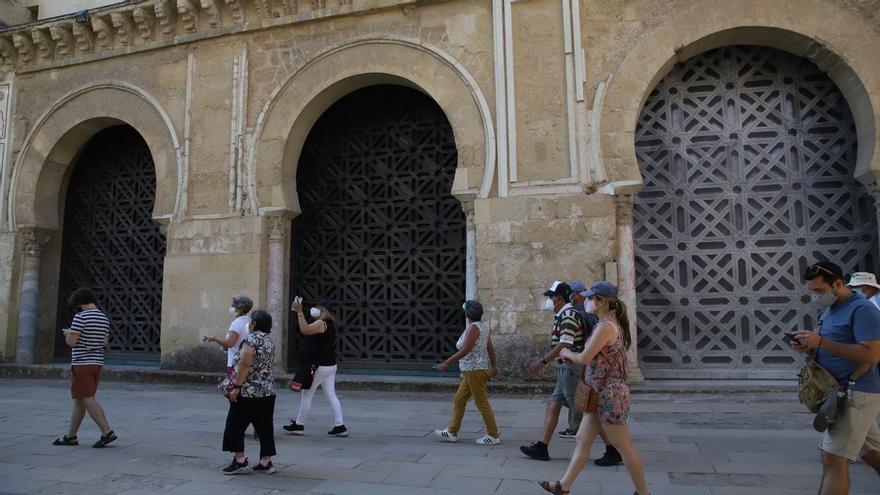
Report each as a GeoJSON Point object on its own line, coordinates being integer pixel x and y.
{"type": "Point", "coordinates": [567, 334]}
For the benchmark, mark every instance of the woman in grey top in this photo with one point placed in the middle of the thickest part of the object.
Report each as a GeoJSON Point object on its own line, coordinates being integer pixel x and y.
{"type": "Point", "coordinates": [476, 360]}
{"type": "Point", "coordinates": [252, 400]}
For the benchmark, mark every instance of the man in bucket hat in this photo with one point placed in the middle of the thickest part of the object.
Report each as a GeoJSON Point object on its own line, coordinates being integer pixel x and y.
{"type": "Point", "coordinates": [866, 284]}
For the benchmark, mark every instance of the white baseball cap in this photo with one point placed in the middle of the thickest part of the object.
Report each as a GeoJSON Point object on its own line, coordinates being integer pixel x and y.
{"type": "Point", "coordinates": [863, 278]}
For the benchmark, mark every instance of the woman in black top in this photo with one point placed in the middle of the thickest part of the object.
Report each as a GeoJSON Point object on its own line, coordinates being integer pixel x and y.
{"type": "Point", "coordinates": [320, 351]}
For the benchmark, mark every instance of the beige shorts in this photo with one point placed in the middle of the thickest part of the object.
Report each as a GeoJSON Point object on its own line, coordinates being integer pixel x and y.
{"type": "Point", "coordinates": [856, 432]}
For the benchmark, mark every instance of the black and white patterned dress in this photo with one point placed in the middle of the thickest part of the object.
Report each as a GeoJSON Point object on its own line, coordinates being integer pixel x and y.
{"type": "Point", "coordinates": [260, 381]}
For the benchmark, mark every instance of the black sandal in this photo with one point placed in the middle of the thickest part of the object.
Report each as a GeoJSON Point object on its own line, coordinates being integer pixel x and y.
{"type": "Point", "coordinates": [557, 490]}
{"type": "Point", "coordinates": [105, 439]}
{"type": "Point", "coordinates": [65, 440]}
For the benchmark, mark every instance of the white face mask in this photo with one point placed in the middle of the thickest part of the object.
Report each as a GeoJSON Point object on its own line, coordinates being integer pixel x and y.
{"type": "Point", "coordinates": [826, 299]}
{"type": "Point", "coordinates": [548, 304]}
{"type": "Point", "coordinates": [232, 311]}
{"type": "Point", "coordinates": [315, 312]}
{"type": "Point", "coordinates": [590, 306]}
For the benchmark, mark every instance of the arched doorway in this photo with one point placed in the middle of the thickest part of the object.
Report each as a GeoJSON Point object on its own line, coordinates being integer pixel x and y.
{"type": "Point", "coordinates": [380, 235]}
{"type": "Point", "coordinates": [111, 243]}
{"type": "Point", "coordinates": [747, 154]}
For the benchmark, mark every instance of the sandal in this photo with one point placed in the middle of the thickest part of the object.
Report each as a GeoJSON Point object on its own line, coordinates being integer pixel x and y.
{"type": "Point", "coordinates": [65, 440]}
{"type": "Point", "coordinates": [556, 490]}
{"type": "Point", "coordinates": [105, 439]}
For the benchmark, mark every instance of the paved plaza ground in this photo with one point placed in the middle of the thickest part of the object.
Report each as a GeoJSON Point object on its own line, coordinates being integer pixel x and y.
{"type": "Point", "coordinates": [169, 442]}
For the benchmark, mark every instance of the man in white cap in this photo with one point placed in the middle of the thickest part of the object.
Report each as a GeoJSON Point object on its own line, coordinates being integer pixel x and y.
{"type": "Point", "coordinates": [866, 284]}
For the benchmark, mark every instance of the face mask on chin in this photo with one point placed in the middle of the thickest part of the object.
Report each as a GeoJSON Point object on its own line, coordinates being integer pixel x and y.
{"type": "Point", "coordinates": [315, 313]}
{"type": "Point", "coordinates": [232, 311]}
{"type": "Point", "coordinates": [858, 290]}
{"type": "Point", "coordinates": [548, 304]}
{"type": "Point", "coordinates": [590, 306]}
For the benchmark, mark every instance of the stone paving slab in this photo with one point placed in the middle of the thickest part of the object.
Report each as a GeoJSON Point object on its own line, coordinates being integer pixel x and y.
{"type": "Point", "coordinates": [170, 435]}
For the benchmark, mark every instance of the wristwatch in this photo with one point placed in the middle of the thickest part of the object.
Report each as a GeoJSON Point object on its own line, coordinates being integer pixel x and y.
{"type": "Point", "coordinates": [543, 361]}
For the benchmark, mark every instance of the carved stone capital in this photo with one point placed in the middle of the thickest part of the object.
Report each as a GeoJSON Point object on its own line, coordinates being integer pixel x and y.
{"type": "Point", "coordinates": [277, 227]}
{"type": "Point", "coordinates": [319, 4]}
{"type": "Point", "coordinates": [33, 242]}
{"type": "Point", "coordinates": [43, 44]}
{"type": "Point", "coordinates": [623, 204]}
{"type": "Point", "coordinates": [212, 7]}
{"type": "Point", "coordinates": [166, 12]}
{"type": "Point", "coordinates": [143, 21]}
{"type": "Point", "coordinates": [469, 213]}
{"type": "Point", "coordinates": [63, 39]}
{"type": "Point", "coordinates": [124, 25]}
{"type": "Point", "coordinates": [189, 15]}
{"type": "Point", "coordinates": [103, 32]}
{"type": "Point", "coordinates": [85, 37]}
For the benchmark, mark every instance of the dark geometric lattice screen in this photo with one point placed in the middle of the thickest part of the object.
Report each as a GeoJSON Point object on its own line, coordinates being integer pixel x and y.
{"type": "Point", "coordinates": [748, 155]}
{"type": "Point", "coordinates": [379, 234]}
{"type": "Point", "coordinates": [111, 243]}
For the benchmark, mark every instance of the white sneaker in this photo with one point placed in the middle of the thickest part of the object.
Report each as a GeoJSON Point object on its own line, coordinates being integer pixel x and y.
{"type": "Point", "coordinates": [446, 435]}
{"type": "Point", "coordinates": [488, 440]}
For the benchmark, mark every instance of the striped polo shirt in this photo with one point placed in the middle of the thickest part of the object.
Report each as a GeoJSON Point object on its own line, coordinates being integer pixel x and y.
{"type": "Point", "coordinates": [92, 325]}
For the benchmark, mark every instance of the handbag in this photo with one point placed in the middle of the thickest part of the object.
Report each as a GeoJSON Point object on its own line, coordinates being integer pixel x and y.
{"type": "Point", "coordinates": [586, 398]}
{"type": "Point", "coordinates": [303, 379]}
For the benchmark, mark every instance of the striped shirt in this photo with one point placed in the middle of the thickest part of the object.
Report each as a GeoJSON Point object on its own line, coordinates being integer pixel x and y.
{"type": "Point", "coordinates": [93, 326]}
{"type": "Point", "coordinates": [568, 329]}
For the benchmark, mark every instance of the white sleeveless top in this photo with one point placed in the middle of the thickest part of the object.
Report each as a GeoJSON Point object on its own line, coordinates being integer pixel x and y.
{"type": "Point", "coordinates": [478, 358]}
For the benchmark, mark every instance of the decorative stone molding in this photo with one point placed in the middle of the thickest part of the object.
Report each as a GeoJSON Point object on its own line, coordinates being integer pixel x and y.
{"type": "Point", "coordinates": [25, 46]}
{"type": "Point", "coordinates": [43, 44]}
{"type": "Point", "coordinates": [144, 21]}
{"type": "Point", "coordinates": [135, 26]}
{"type": "Point", "coordinates": [103, 32]}
{"type": "Point", "coordinates": [189, 15]}
{"type": "Point", "coordinates": [212, 7]}
{"type": "Point", "coordinates": [7, 53]}
{"type": "Point", "coordinates": [166, 13]}
{"type": "Point", "coordinates": [124, 25]}
{"type": "Point", "coordinates": [236, 10]}
{"type": "Point", "coordinates": [85, 37]}
{"type": "Point", "coordinates": [277, 227]}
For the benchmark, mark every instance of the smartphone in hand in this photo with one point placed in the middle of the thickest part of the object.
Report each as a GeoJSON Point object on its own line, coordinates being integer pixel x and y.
{"type": "Point", "coordinates": [788, 337]}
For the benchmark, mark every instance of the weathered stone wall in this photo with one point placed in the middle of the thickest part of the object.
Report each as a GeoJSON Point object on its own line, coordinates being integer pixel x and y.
{"type": "Point", "coordinates": [523, 245]}
{"type": "Point", "coordinates": [226, 97]}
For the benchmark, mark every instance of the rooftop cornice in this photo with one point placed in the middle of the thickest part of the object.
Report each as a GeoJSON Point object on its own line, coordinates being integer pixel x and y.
{"type": "Point", "coordinates": [137, 26]}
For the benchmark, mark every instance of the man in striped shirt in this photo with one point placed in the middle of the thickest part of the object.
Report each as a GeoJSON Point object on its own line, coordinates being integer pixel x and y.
{"type": "Point", "coordinates": [87, 336]}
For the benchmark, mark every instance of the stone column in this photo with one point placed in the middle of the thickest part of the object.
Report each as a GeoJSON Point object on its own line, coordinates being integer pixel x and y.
{"type": "Point", "coordinates": [29, 296]}
{"type": "Point", "coordinates": [276, 304]}
{"type": "Point", "coordinates": [470, 251]}
{"type": "Point", "coordinates": [626, 275]}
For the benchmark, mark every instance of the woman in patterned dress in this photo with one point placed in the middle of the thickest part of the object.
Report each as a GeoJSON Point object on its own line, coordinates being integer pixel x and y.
{"type": "Point", "coordinates": [605, 355]}
{"type": "Point", "coordinates": [476, 361]}
{"type": "Point", "coordinates": [252, 400]}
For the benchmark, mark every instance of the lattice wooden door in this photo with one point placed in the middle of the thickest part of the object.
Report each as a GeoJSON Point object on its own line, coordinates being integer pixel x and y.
{"type": "Point", "coordinates": [379, 234]}
{"type": "Point", "coordinates": [747, 155]}
{"type": "Point", "coordinates": [111, 243]}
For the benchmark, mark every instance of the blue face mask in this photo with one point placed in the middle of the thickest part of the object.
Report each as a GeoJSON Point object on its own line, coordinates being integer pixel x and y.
{"type": "Point", "coordinates": [858, 290]}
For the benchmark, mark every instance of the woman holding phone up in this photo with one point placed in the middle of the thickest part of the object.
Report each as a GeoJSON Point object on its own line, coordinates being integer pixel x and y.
{"type": "Point", "coordinates": [320, 350]}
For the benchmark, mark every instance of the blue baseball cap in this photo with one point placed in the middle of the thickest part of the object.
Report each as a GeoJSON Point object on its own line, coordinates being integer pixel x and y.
{"type": "Point", "coordinates": [324, 303]}
{"type": "Point", "coordinates": [603, 288]}
{"type": "Point", "coordinates": [578, 286]}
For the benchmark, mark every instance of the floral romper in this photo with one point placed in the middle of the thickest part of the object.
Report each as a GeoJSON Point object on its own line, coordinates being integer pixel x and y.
{"type": "Point", "coordinates": [607, 375]}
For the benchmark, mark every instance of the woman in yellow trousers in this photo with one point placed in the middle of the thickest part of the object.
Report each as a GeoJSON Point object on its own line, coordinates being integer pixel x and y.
{"type": "Point", "coordinates": [476, 360]}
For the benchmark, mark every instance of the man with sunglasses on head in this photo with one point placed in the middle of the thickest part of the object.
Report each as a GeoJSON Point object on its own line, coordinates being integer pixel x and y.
{"type": "Point", "coordinates": [848, 338]}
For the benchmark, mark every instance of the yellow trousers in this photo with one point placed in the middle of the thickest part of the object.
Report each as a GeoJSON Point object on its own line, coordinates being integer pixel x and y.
{"type": "Point", "coordinates": [473, 383]}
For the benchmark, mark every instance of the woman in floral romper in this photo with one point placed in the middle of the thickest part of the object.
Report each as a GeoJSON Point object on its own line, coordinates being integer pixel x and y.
{"type": "Point", "coordinates": [605, 357]}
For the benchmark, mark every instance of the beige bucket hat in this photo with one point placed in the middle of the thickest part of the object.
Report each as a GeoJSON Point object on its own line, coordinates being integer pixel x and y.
{"type": "Point", "coordinates": [863, 278]}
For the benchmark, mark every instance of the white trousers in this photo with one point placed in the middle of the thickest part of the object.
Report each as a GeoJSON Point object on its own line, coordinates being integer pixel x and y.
{"type": "Point", "coordinates": [325, 377]}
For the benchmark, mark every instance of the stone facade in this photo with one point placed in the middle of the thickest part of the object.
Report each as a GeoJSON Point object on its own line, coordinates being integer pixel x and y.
{"type": "Point", "coordinates": [543, 97]}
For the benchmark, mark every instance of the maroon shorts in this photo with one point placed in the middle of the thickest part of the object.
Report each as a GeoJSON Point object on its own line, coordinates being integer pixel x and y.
{"type": "Point", "coordinates": [84, 380]}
